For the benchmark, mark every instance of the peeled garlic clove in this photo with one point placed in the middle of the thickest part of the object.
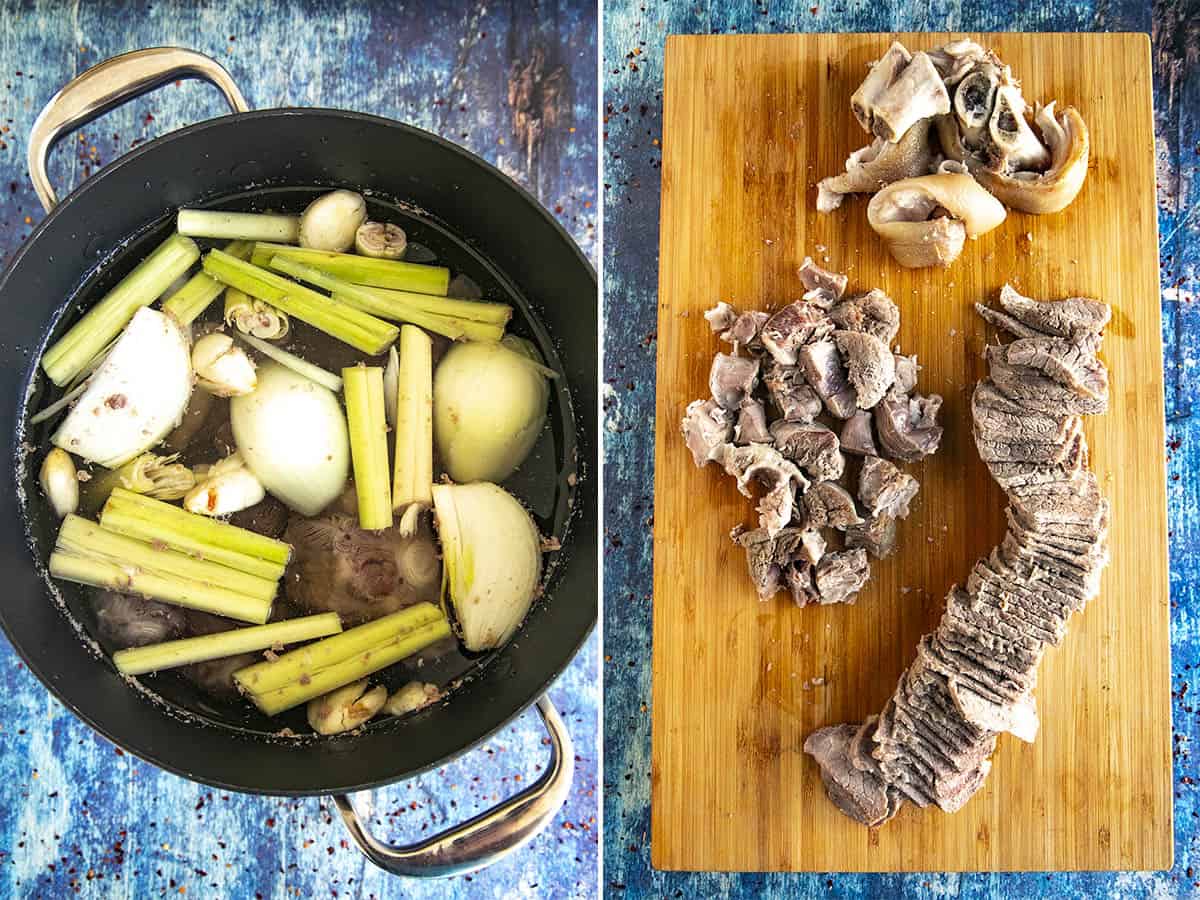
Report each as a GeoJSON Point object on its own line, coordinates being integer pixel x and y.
{"type": "Point", "coordinates": [413, 696]}
{"type": "Point", "coordinates": [226, 487]}
{"type": "Point", "coordinates": [382, 240]}
{"type": "Point", "coordinates": [332, 220]}
{"type": "Point", "coordinates": [346, 708]}
{"type": "Point", "coordinates": [221, 367]}
{"type": "Point", "coordinates": [59, 482]}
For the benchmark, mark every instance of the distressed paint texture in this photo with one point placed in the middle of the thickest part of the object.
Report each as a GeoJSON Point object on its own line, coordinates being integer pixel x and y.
{"type": "Point", "coordinates": [76, 815]}
{"type": "Point", "coordinates": [634, 31]}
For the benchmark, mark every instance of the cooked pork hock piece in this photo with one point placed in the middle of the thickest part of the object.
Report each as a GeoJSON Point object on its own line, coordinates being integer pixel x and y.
{"type": "Point", "coordinates": [840, 576]}
{"type": "Point", "coordinates": [871, 366]}
{"type": "Point", "coordinates": [829, 505]}
{"type": "Point", "coordinates": [790, 394]}
{"type": "Point", "coordinates": [873, 313]}
{"type": "Point", "coordinates": [732, 379]}
{"type": "Point", "coordinates": [906, 373]}
{"type": "Point", "coordinates": [707, 428]}
{"type": "Point", "coordinates": [875, 534]}
{"type": "Point", "coordinates": [767, 556]}
{"type": "Point", "coordinates": [925, 221]}
{"type": "Point", "coordinates": [879, 164]}
{"type": "Point", "coordinates": [899, 91]}
{"type": "Point", "coordinates": [721, 316]}
{"type": "Point", "coordinates": [884, 490]}
{"type": "Point", "coordinates": [751, 425]}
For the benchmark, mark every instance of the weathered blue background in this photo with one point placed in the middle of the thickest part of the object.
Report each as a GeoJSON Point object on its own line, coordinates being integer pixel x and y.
{"type": "Point", "coordinates": [633, 79]}
{"type": "Point", "coordinates": [76, 814]}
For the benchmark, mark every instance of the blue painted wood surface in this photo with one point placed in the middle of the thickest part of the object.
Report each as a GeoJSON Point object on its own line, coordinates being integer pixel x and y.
{"type": "Point", "coordinates": [634, 31]}
{"type": "Point", "coordinates": [76, 815]}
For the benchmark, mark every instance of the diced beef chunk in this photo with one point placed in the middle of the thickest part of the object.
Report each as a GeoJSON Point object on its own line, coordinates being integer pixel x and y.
{"type": "Point", "coordinates": [884, 489]}
{"type": "Point", "coordinates": [799, 576]}
{"type": "Point", "coordinates": [1073, 318]}
{"type": "Point", "coordinates": [858, 792]}
{"type": "Point", "coordinates": [907, 425]}
{"type": "Point", "coordinates": [823, 369]}
{"type": "Point", "coordinates": [906, 373]}
{"type": "Point", "coordinates": [779, 477]}
{"type": "Point", "coordinates": [789, 393]}
{"type": "Point", "coordinates": [814, 278]}
{"type": "Point", "coordinates": [871, 366]}
{"type": "Point", "coordinates": [751, 424]}
{"type": "Point", "coordinates": [873, 313]}
{"type": "Point", "coordinates": [840, 576]}
{"type": "Point", "coordinates": [792, 327]}
{"type": "Point", "coordinates": [813, 447]}
{"type": "Point", "coordinates": [829, 505]}
{"type": "Point", "coordinates": [875, 534]}
{"type": "Point", "coordinates": [707, 428]}
{"type": "Point", "coordinates": [767, 556]}
{"type": "Point", "coordinates": [732, 379]}
{"type": "Point", "coordinates": [858, 435]}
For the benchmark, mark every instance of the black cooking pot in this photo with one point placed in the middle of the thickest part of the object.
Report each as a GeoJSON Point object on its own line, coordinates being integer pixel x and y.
{"type": "Point", "coordinates": [450, 201]}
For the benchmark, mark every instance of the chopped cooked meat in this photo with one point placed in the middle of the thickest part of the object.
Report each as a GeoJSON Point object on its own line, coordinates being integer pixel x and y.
{"type": "Point", "coordinates": [873, 313]}
{"type": "Point", "coordinates": [766, 556]}
{"type": "Point", "coordinates": [793, 326]}
{"type": "Point", "coordinates": [799, 578]}
{"type": "Point", "coordinates": [896, 95]}
{"type": "Point", "coordinates": [875, 534]}
{"type": "Point", "coordinates": [751, 424]}
{"type": "Point", "coordinates": [881, 75]}
{"type": "Point", "coordinates": [707, 428]}
{"type": "Point", "coordinates": [744, 331]}
{"type": "Point", "coordinates": [858, 436]}
{"type": "Point", "coordinates": [884, 489]}
{"type": "Point", "coordinates": [996, 415]}
{"type": "Point", "coordinates": [1074, 318]}
{"type": "Point", "coordinates": [814, 278]}
{"type": "Point", "coordinates": [1005, 322]}
{"type": "Point", "coordinates": [721, 316]}
{"type": "Point", "coordinates": [872, 368]}
{"type": "Point", "coordinates": [822, 366]}
{"type": "Point", "coordinates": [857, 790]}
{"type": "Point", "coordinates": [877, 165]}
{"type": "Point", "coordinates": [813, 447]}
{"type": "Point", "coordinates": [907, 425]}
{"type": "Point", "coordinates": [1036, 390]}
{"type": "Point", "coordinates": [840, 576]}
{"type": "Point", "coordinates": [829, 505]}
{"type": "Point", "coordinates": [812, 546]}
{"type": "Point", "coordinates": [906, 373]}
{"type": "Point", "coordinates": [1067, 363]}
{"type": "Point", "coordinates": [779, 477]}
{"type": "Point", "coordinates": [732, 379]}
{"type": "Point", "coordinates": [790, 394]}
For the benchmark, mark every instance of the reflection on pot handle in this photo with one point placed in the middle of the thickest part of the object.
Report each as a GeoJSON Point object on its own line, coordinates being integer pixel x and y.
{"type": "Point", "coordinates": [108, 85]}
{"type": "Point", "coordinates": [489, 836]}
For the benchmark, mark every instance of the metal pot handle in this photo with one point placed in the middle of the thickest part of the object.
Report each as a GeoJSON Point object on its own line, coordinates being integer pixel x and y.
{"type": "Point", "coordinates": [487, 837]}
{"type": "Point", "coordinates": [109, 84]}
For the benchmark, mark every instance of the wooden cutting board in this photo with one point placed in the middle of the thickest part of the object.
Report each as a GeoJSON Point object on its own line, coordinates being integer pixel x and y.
{"type": "Point", "coordinates": [751, 124]}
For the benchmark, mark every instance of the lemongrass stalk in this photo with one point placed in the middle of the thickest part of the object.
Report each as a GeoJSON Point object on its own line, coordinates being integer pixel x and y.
{"type": "Point", "coordinates": [141, 287]}
{"type": "Point", "coordinates": [169, 589]}
{"type": "Point", "coordinates": [208, 223]}
{"type": "Point", "coordinates": [340, 674]}
{"type": "Point", "coordinates": [294, 362]}
{"type": "Point", "coordinates": [188, 303]}
{"type": "Point", "coordinates": [264, 677]}
{"type": "Point", "coordinates": [254, 317]}
{"type": "Point", "coordinates": [361, 298]}
{"type": "Point", "coordinates": [93, 364]}
{"type": "Point", "coordinates": [182, 530]}
{"type": "Point", "coordinates": [359, 330]}
{"type": "Point", "coordinates": [81, 537]}
{"type": "Point", "coordinates": [413, 470]}
{"type": "Point", "coordinates": [171, 654]}
{"type": "Point", "coordinates": [363, 388]}
{"type": "Point", "coordinates": [58, 405]}
{"type": "Point", "coordinates": [384, 273]}
{"type": "Point", "coordinates": [450, 307]}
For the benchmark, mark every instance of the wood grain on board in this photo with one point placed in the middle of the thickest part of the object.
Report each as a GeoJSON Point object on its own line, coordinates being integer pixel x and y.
{"type": "Point", "coordinates": [751, 124]}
